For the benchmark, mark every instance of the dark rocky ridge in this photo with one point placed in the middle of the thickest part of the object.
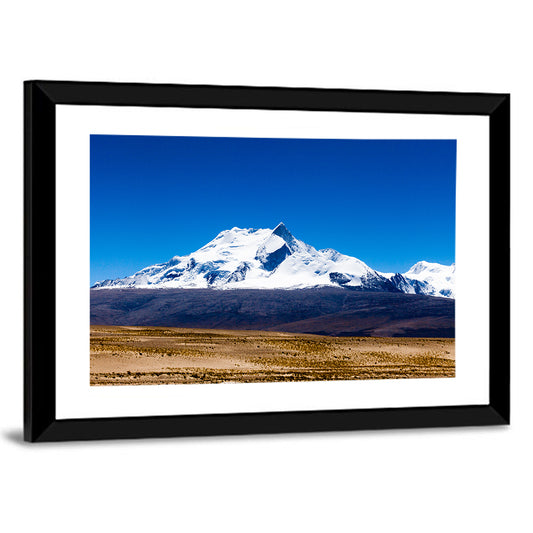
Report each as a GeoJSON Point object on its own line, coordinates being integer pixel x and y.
{"type": "Point", "coordinates": [325, 311]}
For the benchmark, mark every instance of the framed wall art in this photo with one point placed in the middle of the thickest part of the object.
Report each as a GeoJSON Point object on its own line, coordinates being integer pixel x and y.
{"type": "Point", "coordinates": [216, 260]}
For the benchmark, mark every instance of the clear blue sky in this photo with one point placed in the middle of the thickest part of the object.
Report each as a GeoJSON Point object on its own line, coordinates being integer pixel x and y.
{"type": "Point", "coordinates": [389, 203]}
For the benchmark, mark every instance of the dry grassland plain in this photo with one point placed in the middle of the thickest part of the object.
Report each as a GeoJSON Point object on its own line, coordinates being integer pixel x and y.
{"type": "Point", "coordinates": [127, 355]}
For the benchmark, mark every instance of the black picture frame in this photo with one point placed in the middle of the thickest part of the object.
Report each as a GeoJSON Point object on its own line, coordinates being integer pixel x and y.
{"type": "Point", "coordinates": [40, 101]}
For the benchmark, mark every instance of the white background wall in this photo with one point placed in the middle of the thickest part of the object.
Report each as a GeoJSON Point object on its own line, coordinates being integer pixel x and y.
{"type": "Point", "coordinates": [426, 480]}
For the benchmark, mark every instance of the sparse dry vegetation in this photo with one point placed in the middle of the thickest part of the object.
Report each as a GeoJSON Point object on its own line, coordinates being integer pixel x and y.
{"type": "Point", "coordinates": [126, 355]}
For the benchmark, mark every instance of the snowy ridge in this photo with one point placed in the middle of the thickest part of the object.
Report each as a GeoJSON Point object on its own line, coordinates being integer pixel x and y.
{"type": "Point", "coordinates": [440, 278]}
{"type": "Point", "coordinates": [275, 259]}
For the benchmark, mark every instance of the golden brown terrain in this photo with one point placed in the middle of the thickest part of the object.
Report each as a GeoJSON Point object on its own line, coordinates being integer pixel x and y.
{"type": "Point", "coordinates": [127, 355]}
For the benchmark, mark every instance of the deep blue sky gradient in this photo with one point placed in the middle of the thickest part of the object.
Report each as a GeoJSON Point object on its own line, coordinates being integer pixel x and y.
{"type": "Point", "coordinates": [389, 203]}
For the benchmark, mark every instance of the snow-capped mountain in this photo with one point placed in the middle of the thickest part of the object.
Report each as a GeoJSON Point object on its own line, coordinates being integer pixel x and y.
{"type": "Point", "coordinates": [440, 278]}
{"type": "Point", "coordinates": [275, 259]}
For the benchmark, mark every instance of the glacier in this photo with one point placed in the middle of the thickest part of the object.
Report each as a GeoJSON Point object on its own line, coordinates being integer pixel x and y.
{"type": "Point", "coordinates": [274, 259]}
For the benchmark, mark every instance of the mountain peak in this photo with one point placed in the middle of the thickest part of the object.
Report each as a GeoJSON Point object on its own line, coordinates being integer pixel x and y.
{"type": "Point", "coordinates": [422, 266]}
{"type": "Point", "coordinates": [281, 231]}
{"type": "Point", "coordinates": [441, 278]}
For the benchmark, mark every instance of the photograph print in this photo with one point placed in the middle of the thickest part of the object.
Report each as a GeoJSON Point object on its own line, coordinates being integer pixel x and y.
{"type": "Point", "coordinates": [252, 260]}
